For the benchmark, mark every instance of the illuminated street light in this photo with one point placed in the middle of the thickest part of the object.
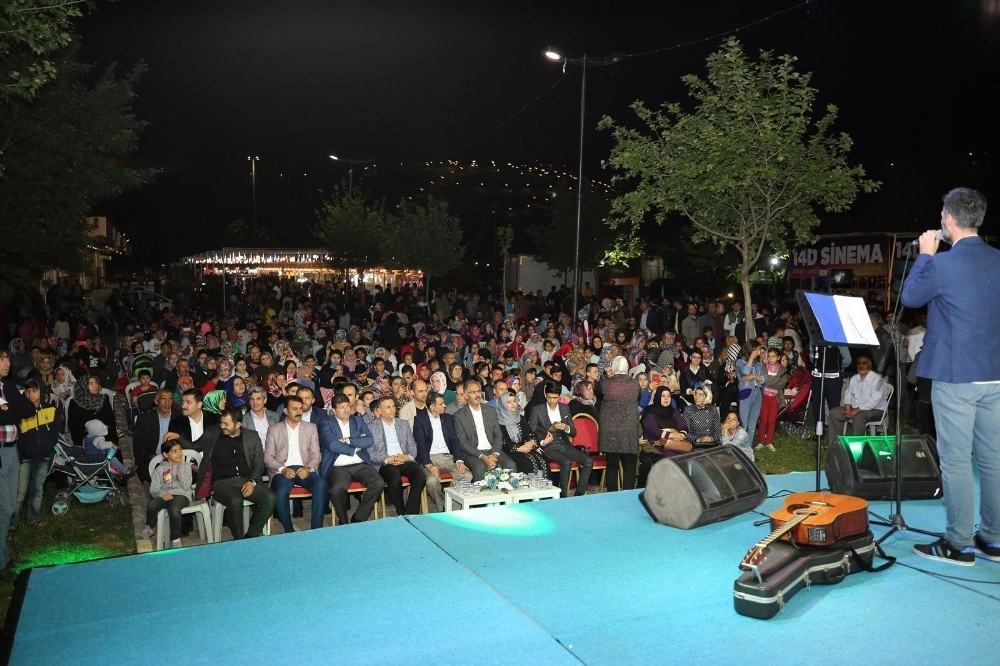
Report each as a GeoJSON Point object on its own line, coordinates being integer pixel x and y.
{"type": "Point", "coordinates": [554, 55]}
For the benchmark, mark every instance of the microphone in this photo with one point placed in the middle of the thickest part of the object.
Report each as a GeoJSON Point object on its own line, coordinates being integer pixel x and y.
{"type": "Point", "coordinates": [937, 234]}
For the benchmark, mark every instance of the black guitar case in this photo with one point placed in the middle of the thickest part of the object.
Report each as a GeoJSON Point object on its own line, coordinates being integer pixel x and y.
{"type": "Point", "coordinates": [763, 592]}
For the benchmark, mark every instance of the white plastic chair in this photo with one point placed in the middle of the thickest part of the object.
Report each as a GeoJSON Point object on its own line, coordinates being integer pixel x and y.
{"type": "Point", "coordinates": [219, 513]}
{"type": "Point", "coordinates": [199, 507]}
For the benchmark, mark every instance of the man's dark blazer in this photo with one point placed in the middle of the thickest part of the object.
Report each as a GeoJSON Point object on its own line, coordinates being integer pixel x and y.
{"type": "Point", "coordinates": [331, 447]}
{"type": "Point", "coordinates": [465, 426]}
{"type": "Point", "coordinates": [145, 439]}
{"type": "Point", "coordinates": [253, 449]}
{"type": "Point", "coordinates": [538, 420]}
{"type": "Point", "coordinates": [424, 434]}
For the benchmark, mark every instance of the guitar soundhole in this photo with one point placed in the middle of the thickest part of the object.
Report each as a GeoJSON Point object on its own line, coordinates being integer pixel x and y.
{"type": "Point", "coordinates": [803, 509]}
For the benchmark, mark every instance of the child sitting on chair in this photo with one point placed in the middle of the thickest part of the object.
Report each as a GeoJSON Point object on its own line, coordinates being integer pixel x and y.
{"type": "Point", "coordinates": [170, 489]}
{"type": "Point", "coordinates": [97, 444]}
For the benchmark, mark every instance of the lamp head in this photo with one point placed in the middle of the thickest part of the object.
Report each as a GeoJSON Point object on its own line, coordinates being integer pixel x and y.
{"type": "Point", "coordinates": [553, 54]}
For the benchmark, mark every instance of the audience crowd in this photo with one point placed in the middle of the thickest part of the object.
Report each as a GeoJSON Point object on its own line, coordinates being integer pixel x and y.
{"type": "Point", "coordinates": [283, 386]}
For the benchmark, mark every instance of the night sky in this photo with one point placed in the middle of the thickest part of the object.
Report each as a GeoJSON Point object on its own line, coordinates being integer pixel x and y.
{"type": "Point", "coordinates": [404, 83]}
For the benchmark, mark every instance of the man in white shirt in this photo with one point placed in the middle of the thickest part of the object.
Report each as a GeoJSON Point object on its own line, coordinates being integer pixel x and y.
{"type": "Point", "coordinates": [438, 448]}
{"type": "Point", "coordinates": [394, 452]}
{"type": "Point", "coordinates": [345, 440]}
{"type": "Point", "coordinates": [865, 398]}
{"type": "Point", "coordinates": [292, 458]}
{"type": "Point", "coordinates": [478, 431]}
{"type": "Point", "coordinates": [259, 418]}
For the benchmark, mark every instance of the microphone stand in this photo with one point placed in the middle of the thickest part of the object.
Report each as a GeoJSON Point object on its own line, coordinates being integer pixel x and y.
{"type": "Point", "coordinates": [821, 421]}
{"type": "Point", "coordinates": [896, 520]}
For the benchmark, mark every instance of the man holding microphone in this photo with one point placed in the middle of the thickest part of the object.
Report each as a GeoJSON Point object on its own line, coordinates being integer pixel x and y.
{"type": "Point", "coordinates": [962, 359]}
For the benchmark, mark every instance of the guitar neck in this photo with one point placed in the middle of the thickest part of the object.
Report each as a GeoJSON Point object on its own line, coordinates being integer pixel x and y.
{"type": "Point", "coordinates": [756, 554]}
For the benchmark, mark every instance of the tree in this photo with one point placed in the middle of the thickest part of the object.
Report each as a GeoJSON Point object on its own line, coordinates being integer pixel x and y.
{"type": "Point", "coordinates": [64, 151]}
{"type": "Point", "coordinates": [746, 167]}
{"type": "Point", "coordinates": [41, 27]}
{"type": "Point", "coordinates": [556, 241]}
{"type": "Point", "coordinates": [352, 231]}
{"type": "Point", "coordinates": [426, 238]}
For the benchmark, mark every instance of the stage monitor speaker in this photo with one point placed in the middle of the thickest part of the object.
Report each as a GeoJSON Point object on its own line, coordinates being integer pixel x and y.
{"type": "Point", "coordinates": [866, 467]}
{"type": "Point", "coordinates": [702, 487]}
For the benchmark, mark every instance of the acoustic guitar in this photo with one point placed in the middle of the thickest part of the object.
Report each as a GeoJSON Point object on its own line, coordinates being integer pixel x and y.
{"type": "Point", "coordinates": [812, 519]}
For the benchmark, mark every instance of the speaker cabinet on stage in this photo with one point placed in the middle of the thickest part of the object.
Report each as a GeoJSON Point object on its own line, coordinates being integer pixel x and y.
{"type": "Point", "coordinates": [702, 487]}
{"type": "Point", "coordinates": [866, 467]}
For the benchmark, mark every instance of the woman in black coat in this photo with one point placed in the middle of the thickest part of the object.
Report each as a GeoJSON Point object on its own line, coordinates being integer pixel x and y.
{"type": "Point", "coordinates": [89, 402]}
{"type": "Point", "coordinates": [518, 440]}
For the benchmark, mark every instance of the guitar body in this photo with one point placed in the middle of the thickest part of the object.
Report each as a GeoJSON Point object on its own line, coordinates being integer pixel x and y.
{"type": "Point", "coordinates": [828, 518]}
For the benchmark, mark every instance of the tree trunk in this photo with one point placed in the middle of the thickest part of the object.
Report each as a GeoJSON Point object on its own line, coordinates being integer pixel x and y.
{"type": "Point", "coordinates": [751, 331]}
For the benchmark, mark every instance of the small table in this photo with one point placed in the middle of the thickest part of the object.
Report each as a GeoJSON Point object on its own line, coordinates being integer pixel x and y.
{"type": "Point", "coordinates": [490, 497]}
{"type": "Point", "coordinates": [533, 494]}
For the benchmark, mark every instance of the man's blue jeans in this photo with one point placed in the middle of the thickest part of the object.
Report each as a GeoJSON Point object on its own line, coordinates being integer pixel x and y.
{"type": "Point", "coordinates": [967, 417]}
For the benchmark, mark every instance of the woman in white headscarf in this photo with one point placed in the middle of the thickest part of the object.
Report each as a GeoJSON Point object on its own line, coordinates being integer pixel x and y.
{"type": "Point", "coordinates": [618, 435]}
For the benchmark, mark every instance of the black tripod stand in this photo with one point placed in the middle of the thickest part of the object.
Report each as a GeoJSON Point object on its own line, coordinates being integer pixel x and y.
{"type": "Point", "coordinates": [896, 522]}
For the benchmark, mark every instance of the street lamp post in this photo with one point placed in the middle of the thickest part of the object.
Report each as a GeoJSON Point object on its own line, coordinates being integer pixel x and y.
{"type": "Point", "coordinates": [350, 171]}
{"type": "Point", "coordinates": [253, 184]}
{"type": "Point", "coordinates": [555, 55]}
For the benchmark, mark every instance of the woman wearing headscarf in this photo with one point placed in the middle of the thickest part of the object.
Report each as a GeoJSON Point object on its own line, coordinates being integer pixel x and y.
{"type": "Point", "coordinates": [64, 384]}
{"type": "Point", "coordinates": [237, 393]}
{"type": "Point", "coordinates": [212, 406]}
{"type": "Point", "coordinates": [584, 399]}
{"type": "Point", "coordinates": [618, 434]}
{"type": "Point", "coordinates": [663, 433]}
{"type": "Point", "coordinates": [90, 402]}
{"type": "Point", "coordinates": [274, 383]}
{"type": "Point", "coordinates": [518, 440]}
{"type": "Point", "coordinates": [704, 424]}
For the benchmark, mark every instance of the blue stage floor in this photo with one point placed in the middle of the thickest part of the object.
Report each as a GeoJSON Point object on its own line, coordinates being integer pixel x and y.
{"type": "Point", "coordinates": [588, 580]}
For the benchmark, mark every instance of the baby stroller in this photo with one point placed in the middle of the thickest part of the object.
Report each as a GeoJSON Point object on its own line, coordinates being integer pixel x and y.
{"type": "Point", "coordinates": [92, 478]}
{"type": "Point", "coordinates": [792, 417]}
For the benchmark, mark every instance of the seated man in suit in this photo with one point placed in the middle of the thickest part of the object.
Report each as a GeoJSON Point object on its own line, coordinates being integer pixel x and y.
{"type": "Point", "coordinates": [394, 452]}
{"type": "Point", "coordinates": [553, 425]}
{"type": "Point", "coordinates": [478, 429]}
{"type": "Point", "coordinates": [345, 440]}
{"type": "Point", "coordinates": [438, 447]}
{"type": "Point", "coordinates": [259, 417]}
{"type": "Point", "coordinates": [147, 435]}
{"type": "Point", "coordinates": [292, 458]}
{"type": "Point", "coordinates": [232, 467]}
{"type": "Point", "coordinates": [864, 400]}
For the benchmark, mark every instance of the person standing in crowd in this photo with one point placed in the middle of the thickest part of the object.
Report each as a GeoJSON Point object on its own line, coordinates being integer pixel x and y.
{"type": "Point", "coordinates": [618, 432]}
{"type": "Point", "coordinates": [963, 364]}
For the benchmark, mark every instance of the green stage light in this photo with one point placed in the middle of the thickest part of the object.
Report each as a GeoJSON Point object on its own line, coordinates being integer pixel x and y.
{"type": "Point", "coordinates": [66, 554]}
{"type": "Point", "coordinates": [520, 520]}
{"type": "Point", "coordinates": [859, 446]}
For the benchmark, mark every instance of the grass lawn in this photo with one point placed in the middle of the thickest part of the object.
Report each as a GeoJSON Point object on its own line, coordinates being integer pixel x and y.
{"type": "Point", "coordinates": [85, 532]}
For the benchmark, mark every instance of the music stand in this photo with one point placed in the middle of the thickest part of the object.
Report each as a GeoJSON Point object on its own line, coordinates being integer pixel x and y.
{"type": "Point", "coordinates": [833, 321]}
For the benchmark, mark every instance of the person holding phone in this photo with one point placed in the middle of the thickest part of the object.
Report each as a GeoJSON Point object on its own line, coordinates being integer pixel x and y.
{"type": "Point", "coordinates": [750, 373]}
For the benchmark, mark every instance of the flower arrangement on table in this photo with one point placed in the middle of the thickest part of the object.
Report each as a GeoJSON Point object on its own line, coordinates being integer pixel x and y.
{"type": "Point", "coordinates": [504, 480]}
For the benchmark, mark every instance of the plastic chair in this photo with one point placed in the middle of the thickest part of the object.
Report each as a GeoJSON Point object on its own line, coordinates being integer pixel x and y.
{"type": "Point", "coordinates": [358, 488]}
{"type": "Point", "coordinates": [199, 507]}
{"type": "Point", "coordinates": [881, 426]}
{"type": "Point", "coordinates": [586, 437]}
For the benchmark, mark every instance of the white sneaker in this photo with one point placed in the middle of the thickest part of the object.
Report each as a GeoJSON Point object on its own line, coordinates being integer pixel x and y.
{"type": "Point", "coordinates": [147, 532]}
{"type": "Point", "coordinates": [176, 543]}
